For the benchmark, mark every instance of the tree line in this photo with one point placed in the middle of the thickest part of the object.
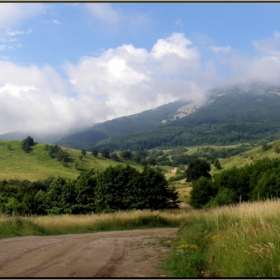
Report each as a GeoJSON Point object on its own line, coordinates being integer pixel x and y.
{"type": "Point", "coordinates": [256, 181]}
{"type": "Point", "coordinates": [116, 188]}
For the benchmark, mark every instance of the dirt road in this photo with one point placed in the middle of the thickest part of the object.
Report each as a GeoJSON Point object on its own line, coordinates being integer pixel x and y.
{"type": "Point", "coordinates": [133, 253]}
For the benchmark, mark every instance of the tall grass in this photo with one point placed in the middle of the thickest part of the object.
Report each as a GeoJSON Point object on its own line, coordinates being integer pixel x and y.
{"type": "Point", "coordinates": [63, 224]}
{"type": "Point", "coordinates": [236, 241]}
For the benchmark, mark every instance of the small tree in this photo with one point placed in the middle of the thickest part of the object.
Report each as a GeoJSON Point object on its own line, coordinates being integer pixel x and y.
{"type": "Point", "coordinates": [105, 153]}
{"type": "Point", "coordinates": [9, 146]}
{"type": "Point", "coordinates": [114, 156]}
{"type": "Point", "coordinates": [126, 155]}
{"type": "Point", "coordinates": [277, 150]}
{"type": "Point", "coordinates": [27, 143]}
{"type": "Point", "coordinates": [217, 164]}
{"type": "Point", "coordinates": [266, 147]}
{"type": "Point", "coordinates": [202, 192]}
{"type": "Point", "coordinates": [196, 169]}
{"type": "Point", "coordinates": [83, 152]}
{"type": "Point", "coordinates": [94, 153]}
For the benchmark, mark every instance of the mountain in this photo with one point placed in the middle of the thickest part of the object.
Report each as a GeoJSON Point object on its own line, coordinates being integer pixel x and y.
{"type": "Point", "coordinates": [47, 137]}
{"type": "Point", "coordinates": [145, 121]}
{"type": "Point", "coordinates": [19, 135]}
{"type": "Point", "coordinates": [234, 114]}
{"type": "Point", "coordinates": [247, 112]}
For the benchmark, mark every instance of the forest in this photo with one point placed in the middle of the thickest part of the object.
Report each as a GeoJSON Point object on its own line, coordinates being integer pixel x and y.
{"type": "Point", "coordinates": [231, 119]}
{"type": "Point", "coordinates": [259, 180]}
{"type": "Point", "coordinates": [116, 188]}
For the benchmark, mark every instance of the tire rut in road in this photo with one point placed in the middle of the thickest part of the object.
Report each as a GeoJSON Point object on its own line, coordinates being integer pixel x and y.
{"type": "Point", "coordinates": [116, 258]}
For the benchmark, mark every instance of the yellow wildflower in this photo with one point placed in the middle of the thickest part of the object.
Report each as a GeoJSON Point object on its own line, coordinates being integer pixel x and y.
{"type": "Point", "coordinates": [215, 238]}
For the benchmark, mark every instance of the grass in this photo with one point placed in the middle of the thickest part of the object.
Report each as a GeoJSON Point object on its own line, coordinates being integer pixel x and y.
{"type": "Point", "coordinates": [65, 224]}
{"type": "Point", "coordinates": [38, 165]}
{"type": "Point", "coordinates": [236, 241]}
{"type": "Point", "coordinates": [183, 189]}
{"type": "Point", "coordinates": [249, 156]}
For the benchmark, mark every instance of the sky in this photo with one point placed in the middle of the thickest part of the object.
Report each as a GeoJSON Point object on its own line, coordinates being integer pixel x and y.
{"type": "Point", "coordinates": [70, 65]}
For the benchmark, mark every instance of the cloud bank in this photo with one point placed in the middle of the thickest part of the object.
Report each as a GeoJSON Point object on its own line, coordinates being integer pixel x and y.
{"type": "Point", "coordinates": [123, 81]}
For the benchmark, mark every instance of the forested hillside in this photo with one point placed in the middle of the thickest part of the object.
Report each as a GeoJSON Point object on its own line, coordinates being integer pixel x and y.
{"type": "Point", "coordinates": [144, 121]}
{"type": "Point", "coordinates": [235, 116]}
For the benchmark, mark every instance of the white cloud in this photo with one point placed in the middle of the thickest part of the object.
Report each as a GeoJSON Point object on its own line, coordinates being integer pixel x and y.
{"type": "Point", "coordinates": [176, 44]}
{"type": "Point", "coordinates": [55, 21]}
{"type": "Point", "coordinates": [33, 98]}
{"type": "Point", "coordinates": [121, 81]}
{"type": "Point", "coordinates": [116, 21]}
{"type": "Point", "coordinates": [270, 46]}
{"type": "Point", "coordinates": [3, 47]}
{"type": "Point", "coordinates": [263, 67]}
{"type": "Point", "coordinates": [221, 49]}
{"type": "Point", "coordinates": [118, 82]}
{"type": "Point", "coordinates": [104, 12]}
{"type": "Point", "coordinates": [128, 80]}
{"type": "Point", "coordinates": [179, 23]}
{"type": "Point", "coordinates": [12, 14]}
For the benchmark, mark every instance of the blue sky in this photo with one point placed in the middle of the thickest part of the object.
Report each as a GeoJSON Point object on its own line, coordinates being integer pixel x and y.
{"type": "Point", "coordinates": [65, 65]}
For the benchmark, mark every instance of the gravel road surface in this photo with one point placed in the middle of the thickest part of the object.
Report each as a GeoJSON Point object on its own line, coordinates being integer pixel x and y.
{"type": "Point", "coordinates": [131, 253]}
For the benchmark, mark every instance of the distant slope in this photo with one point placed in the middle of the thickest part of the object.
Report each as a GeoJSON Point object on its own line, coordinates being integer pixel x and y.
{"type": "Point", "coordinates": [46, 137]}
{"type": "Point", "coordinates": [38, 165]}
{"type": "Point", "coordinates": [236, 114]}
{"type": "Point", "coordinates": [144, 121]}
{"type": "Point", "coordinates": [252, 155]}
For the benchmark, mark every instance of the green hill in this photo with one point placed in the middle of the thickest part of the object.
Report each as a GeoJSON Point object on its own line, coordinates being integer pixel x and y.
{"type": "Point", "coordinates": [143, 121]}
{"type": "Point", "coordinates": [38, 165]}
{"type": "Point", "coordinates": [235, 116]}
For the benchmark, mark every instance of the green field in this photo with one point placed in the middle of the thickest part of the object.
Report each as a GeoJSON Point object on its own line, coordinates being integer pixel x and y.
{"type": "Point", "coordinates": [250, 156]}
{"type": "Point", "coordinates": [38, 165]}
{"type": "Point", "coordinates": [232, 241]}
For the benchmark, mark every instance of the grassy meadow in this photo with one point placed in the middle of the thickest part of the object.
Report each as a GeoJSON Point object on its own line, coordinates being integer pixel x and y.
{"type": "Point", "coordinates": [233, 241]}
{"type": "Point", "coordinates": [38, 165]}
{"type": "Point", "coordinates": [249, 156]}
{"type": "Point", "coordinates": [65, 224]}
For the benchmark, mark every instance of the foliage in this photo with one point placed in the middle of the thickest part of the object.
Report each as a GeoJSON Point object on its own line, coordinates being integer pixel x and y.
{"type": "Point", "coordinates": [123, 188]}
{"type": "Point", "coordinates": [105, 153]}
{"type": "Point", "coordinates": [211, 154]}
{"type": "Point", "coordinates": [83, 152]}
{"type": "Point", "coordinates": [178, 159]}
{"type": "Point", "coordinates": [196, 169]}
{"type": "Point", "coordinates": [258, 180]}
{"type": "Point", "coordinates": [116, 188]}
{"type": "Point", "coordinates": [277, 150]}
{"type": "Point", "coordinates": [217, 164]}
{"type": "Point", "coordinates": [126, 154]}
{"type": "Point", "coordinates": [266, 147]}
{"type": "Point", "coordinates": [27, 143]}
{"type": "Point", "coordinates": [57, 152]}
{"type": "Point", "coordinates": [202, 192]}
{"type": "Point", "coordinates": [94, 153]}
{"type": "Point", "coordinates": [178, 176]}
{"type": "Point", "coordinates": [114, 156]}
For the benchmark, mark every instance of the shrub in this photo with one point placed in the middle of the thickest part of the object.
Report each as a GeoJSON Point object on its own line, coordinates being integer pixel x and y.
{"type": "Point", "coordinates": [202, 192]}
